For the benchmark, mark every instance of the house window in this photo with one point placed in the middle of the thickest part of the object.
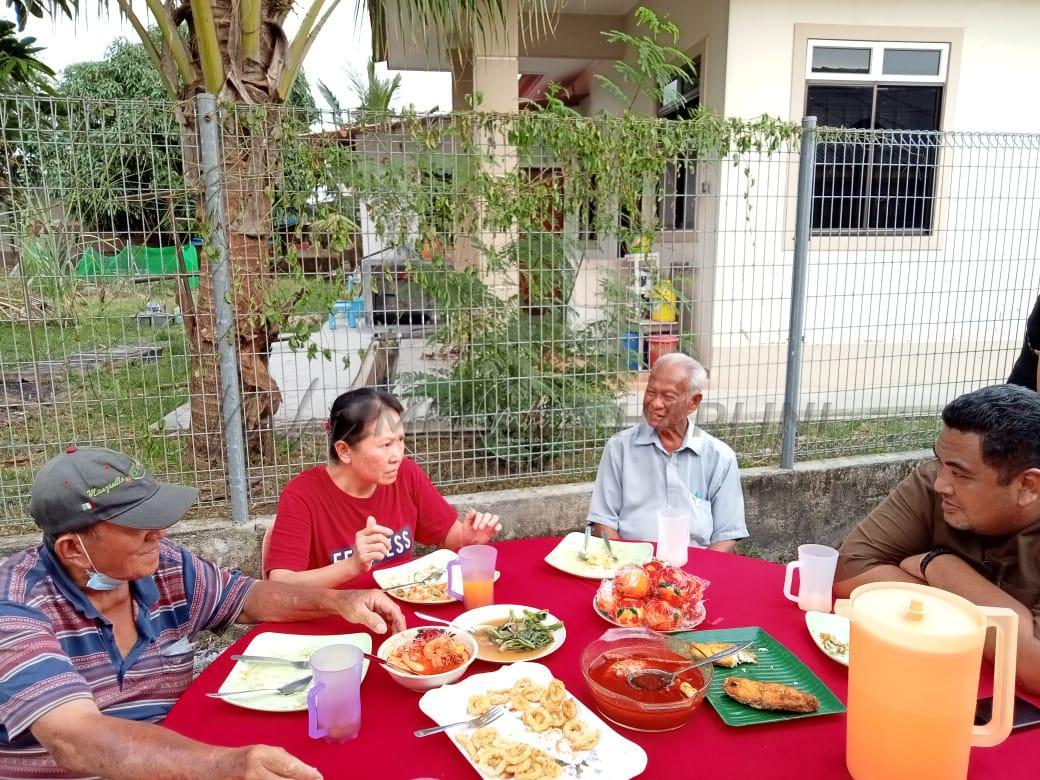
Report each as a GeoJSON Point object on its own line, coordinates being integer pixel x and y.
{"type": "Point", "coordinates": [675, 208]}
{"type": "Point", "coordinates": [877, 183]}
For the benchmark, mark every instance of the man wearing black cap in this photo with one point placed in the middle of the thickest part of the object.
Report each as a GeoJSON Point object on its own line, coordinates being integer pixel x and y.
{"type": "Point", "coordinates": [96, 626]}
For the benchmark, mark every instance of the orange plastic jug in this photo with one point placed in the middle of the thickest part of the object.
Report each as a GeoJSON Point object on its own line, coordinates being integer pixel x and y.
{"type": "Point", "coordinates": [914, 660]}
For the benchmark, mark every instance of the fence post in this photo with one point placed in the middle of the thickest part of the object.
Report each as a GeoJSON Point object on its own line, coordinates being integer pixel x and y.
{"type": "Point", "coordinates": [796, 328]}
{"type": "Point", "coordinates": [208, 123]}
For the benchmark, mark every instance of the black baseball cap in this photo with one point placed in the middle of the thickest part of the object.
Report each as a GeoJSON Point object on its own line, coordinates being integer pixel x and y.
{"type": "Point", "coordinates": [85, 485]}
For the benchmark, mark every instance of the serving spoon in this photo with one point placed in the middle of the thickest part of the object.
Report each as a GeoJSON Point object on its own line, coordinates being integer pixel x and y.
{"type": "Point", "coordinates": [659, 679]}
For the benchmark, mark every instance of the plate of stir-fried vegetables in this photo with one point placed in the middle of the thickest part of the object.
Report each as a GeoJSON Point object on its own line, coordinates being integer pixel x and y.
{"type": "Point", "coordinates": [507, 633]}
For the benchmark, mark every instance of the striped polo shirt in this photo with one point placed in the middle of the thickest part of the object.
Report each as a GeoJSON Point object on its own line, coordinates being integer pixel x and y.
{"type": "Point", "coordinates": [56, 647]}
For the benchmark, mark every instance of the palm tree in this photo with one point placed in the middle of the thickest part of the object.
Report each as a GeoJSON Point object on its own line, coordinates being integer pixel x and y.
{"type": "Point", "coordinates": [239, 51]}
{"type": "Point", "coordinates": [373, 93]}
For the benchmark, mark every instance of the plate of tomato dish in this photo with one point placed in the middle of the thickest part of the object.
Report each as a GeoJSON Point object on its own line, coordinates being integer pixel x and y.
{"type": "Point", "coordinates": [654, 595]}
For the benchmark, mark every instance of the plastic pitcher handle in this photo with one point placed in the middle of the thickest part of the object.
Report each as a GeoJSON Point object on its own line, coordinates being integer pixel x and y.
{"type": "Point", "coordinates": [313, 730]}
{"type": "Point", "coordinates": [1005, 621]}
{"type": "Point", "coordinates": [789, 577]}
{"type": "Point", "coordinates": [453, 564]}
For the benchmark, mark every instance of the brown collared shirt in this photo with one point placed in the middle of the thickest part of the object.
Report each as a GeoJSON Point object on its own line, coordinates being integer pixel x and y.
{"type": "Point", "coordinates": [910, 521]}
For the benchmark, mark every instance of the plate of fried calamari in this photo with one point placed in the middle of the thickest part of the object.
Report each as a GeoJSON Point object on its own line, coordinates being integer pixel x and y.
{"type": "Point", "coordinates": [544, 732]}
{"type": "Point", "coordinates": [762, 684]}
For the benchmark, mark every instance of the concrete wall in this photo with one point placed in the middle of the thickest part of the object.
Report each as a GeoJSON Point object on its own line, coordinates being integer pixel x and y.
{"type": "Point", "coordinates": [816, 502]}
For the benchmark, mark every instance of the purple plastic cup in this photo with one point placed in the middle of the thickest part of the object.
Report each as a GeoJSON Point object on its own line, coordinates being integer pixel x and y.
{"type": "Point", "coordinates": [334, 703]}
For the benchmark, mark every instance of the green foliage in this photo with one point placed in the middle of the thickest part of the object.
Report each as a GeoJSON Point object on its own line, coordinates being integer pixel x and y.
{"type": "Point", "coordinates": [529, 383]}
{"type": "Point", "coordinates": [546, 273]}
{"type": "Point", "coordinates": [47, 259]}
{"type": "Point", "coordinates": [23, 9]}
{"type": "Point", "coordinates": [373, 93]}
{"type": "Point", "coordinates": [119, 163]}
{"type": "Point", "coordinates": [126, 72]}
{"type": "Point", "coordinates": [21, 71]}
{"type": "Point", "coordinates": [657, 61]}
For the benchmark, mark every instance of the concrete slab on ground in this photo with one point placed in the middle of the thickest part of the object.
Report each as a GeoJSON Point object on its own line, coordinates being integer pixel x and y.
{"type": "Point", "coordinates": [309, 385]}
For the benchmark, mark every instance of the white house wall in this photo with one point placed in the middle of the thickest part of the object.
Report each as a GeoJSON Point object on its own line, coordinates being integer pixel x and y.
{"type": "Point", "coordinates": [885, 311]}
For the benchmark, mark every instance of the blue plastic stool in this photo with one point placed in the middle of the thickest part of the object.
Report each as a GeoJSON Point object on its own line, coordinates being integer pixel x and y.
{"type": "Point", "coordinates": [354, 309]}
{"type": "Point", "coordinates": [339, 307]}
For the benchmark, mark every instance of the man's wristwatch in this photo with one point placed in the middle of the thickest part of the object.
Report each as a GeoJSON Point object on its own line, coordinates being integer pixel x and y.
{"type": "Point", "coordinates": [931, 555]}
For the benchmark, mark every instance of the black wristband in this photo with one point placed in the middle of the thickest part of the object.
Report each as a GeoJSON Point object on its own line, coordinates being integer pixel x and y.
{"type": "Point", "coordinates": [932, 554]}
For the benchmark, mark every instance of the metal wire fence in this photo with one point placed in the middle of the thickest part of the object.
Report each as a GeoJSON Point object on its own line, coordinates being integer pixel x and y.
{"type": "Point", "coordinates": [502, 276]}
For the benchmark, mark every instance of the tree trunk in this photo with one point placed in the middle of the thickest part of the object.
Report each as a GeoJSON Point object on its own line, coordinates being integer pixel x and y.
{"type": "Point", "coordinates": [249, 170]}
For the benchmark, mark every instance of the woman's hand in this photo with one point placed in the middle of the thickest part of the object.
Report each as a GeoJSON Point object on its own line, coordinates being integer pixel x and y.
{"type": "Point", "coordinates": [371, 545]}
{"type": "Point", "coordinates": [478, 528]}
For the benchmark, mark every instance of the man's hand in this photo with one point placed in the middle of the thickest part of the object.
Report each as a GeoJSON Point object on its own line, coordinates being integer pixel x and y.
{"type": "Point", "coordinates": [82, 740]}
{"type": "Point", "coordinates": [262, 762]}
{"type": "Point", "coordinates": [372, 609]}
{"type": "Point", "coordinates": [371, 545]}
{"type": "Point", "coordinates": [478, 528]}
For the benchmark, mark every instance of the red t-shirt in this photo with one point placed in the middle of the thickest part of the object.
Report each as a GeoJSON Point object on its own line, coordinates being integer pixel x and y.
{"type": "Point", "coordinates": [316, 521]}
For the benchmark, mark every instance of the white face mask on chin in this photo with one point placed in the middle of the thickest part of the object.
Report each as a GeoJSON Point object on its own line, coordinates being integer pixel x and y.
{"type": "Point", "coordinates": [95, 579]}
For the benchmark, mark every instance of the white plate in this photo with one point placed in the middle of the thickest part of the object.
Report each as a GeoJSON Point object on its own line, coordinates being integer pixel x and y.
{"type": "Point", "coordinates": [292, 647]}
{"type": "Point", "coordinates": [500, 612]}
{"type": "Point", "coordinates": [416, 570]}
{"type": "Point", "coordinates": [565, 556]}
{"type": "Point", "coordinates": [614, 758]}
{"type": "Point", "coordinates": [825, 623]}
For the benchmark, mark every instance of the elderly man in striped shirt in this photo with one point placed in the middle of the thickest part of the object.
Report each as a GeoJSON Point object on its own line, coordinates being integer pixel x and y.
{"type": "Point", "coordinates": [97, 624]}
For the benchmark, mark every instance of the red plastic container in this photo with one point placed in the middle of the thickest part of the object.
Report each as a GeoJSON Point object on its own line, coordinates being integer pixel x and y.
{"type": "Point", "coordinates": [662, 345]}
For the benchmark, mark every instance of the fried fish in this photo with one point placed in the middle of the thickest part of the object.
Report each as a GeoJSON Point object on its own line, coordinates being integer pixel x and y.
{"type": "Point", "coordinates": [769, 696]}
{"type": "Point", "coordinates": [704, 649]}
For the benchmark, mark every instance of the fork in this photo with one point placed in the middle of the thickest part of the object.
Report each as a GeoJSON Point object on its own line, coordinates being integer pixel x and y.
{"type": "Point", "coordinates": [431, 576]}
{"type": "Point", "coordinates": [478, 722]}
{"type": "Point", "coordinates": [610, 550]}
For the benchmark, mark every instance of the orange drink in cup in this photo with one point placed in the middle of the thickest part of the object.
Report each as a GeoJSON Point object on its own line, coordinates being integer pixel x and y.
{"type": "Point", "coordinates": [477, 564]}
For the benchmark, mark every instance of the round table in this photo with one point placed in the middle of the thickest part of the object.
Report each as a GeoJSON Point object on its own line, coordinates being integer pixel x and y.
{"type": "Point", "coordinates": [743, 592]}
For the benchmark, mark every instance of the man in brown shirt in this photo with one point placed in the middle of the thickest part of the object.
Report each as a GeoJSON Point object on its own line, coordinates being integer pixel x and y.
{"type": "Point", "coordinates": [969, 521]}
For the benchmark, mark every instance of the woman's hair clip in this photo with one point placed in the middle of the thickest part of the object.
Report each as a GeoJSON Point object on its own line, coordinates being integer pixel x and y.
{"type": "Point", "coordinates": [328, 426]}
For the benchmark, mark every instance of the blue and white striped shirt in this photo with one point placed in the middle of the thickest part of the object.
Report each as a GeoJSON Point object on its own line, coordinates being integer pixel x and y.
{"type": "Point", "coordinates": [55, 647]}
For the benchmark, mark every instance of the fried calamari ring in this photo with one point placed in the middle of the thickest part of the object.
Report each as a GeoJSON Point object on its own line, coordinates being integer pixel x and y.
{"type": "Point", "coordinates": [537, 719]}
{"type": "Point", "coordinates": [481, 738]}
{"type": "Point", "coordinates": [500, 697]}
{"type": "Point", "coordinates": [492, 758]}
{"type": "Point", "coordinates": [478, 704]}
{"type": "Point", "coordinates": [520, 704]}
{"type": "Point", "coordinates": [580, 735]}
{"type": "Point", "coordinates": [555, 694]}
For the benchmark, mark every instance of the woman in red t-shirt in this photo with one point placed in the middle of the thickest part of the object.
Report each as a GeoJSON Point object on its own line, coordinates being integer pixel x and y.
{"type": "Point", "coordinates": [369, 505]}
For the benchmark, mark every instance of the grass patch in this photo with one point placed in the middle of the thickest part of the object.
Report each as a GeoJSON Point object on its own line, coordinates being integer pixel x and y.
{"type": "Point", "coordinates": [113, 405]}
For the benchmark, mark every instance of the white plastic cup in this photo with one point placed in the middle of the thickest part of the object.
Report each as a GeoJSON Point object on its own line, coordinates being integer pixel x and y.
{"type": "Point", "coordinates": [673, 536]}
{"type": "Point", "coordinates": [816, 565]}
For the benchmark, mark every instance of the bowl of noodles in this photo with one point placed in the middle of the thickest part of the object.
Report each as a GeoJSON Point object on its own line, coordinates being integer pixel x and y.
{"type": "Point", "coordinates": [428, 657]}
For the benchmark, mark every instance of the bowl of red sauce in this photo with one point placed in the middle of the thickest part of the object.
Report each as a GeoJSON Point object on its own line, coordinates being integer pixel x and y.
{"type": "Point", "coordinates": [606, 664]}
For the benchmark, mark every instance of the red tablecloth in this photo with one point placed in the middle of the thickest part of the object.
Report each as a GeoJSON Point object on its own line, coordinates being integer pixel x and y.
{"type": "Point", "coordinates": [743, 592]}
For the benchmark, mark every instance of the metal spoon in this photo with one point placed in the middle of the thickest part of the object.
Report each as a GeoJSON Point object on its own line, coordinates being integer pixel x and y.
{"type": "Point", "coordinates": [294, 687]}
{"type": "Point", "coordinates": [659, 679]}
{"type": "Point", "coordinates": [584, 554]}
{"type": "Point", "coordinates": [471, 629]}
